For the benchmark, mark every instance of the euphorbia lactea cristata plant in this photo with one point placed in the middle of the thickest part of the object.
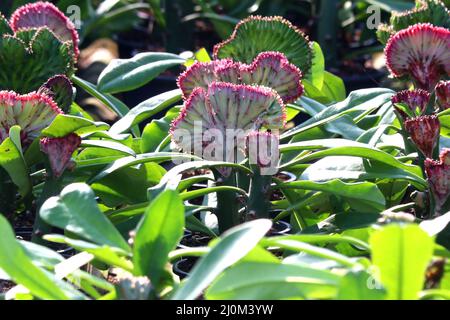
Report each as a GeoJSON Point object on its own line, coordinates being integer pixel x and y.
{"type": "Point", "coordinates": [421, 53]}
{"type": "Point", "coordinates": [31, 112]}
{"type": "Point", "coordinates": [38, 43]}
{"type": "Point", "coordinates": [239, 96]}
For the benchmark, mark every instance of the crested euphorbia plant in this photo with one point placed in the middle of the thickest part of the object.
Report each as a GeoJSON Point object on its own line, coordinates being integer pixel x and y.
{"type": "Point", "coordinates": [213, 124]}
{"type": "Point", "coordinates": [38, 43]}
{"type": "Point", "coordinates": [31, 112]}
{"type": "Point", "coordinates": [421, 53]}
{"type": "Point", "coordinates": [234, 99]}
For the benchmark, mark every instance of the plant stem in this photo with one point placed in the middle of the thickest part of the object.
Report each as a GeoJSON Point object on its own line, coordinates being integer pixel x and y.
{"type": "Point", "coordinates": [259, 202]}
{"type": "Point", "coordinates": [227, 202]}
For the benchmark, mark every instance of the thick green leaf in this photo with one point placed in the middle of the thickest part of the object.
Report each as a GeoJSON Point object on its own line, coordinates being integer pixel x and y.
{"type": "Point", "coordinates": [318, 67]}
{"type": "Point", "coordinates": [157, 234]}
{"type": "Point", "coordinates": [341, 147]}
{"type": "Point", "coordinates": [358, 102]}
{"type": "Point", "coordinates": [108, 145]}
{"type": "Point", "coordinates": [333, 87]}
{"type": "Point", "coordinates": [156, 131]}
{"type": "Point", "coordinates": [141, 158]}
{"type": "Point", "coordinates": [15, 263]}
{"type": "Point", "coordinates": [234, 245]}
{"type": "Point", "coordinates": [12, 160]}
{"type": "Point", "coordinates": [114, 189]}
{"type": "Point", "coordinates": [355, 286]}
{"type": "Point", "coordinates": [261, 281]}
{"type": "Point", "coordinates": [146, 109]}
{"type": "Point", "coordinates": [128, 74]}
{"type": "Point", "coordinates": [364, 195]}
{"type": "Point", "coordinates": [172, 178]}
{"type": "Point", "coordinates": [76, 211]}
{"type": "Point", "coordinates": [111, 255]}
{"type": "Point", "coordinates": [112, 103]}
{"type": "Point", "coordinates": [401, 254]}
{"type": "Point", "coordinates": [65, 124]}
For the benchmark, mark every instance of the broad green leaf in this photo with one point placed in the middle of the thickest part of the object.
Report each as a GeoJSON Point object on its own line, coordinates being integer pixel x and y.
{"type": "Point", "coordinates": [355, 169]}
{"type": "Point", "coordinates": [65, 124]}
{"type": "Point", "coordinates": [342, 147]}
{"type": "Point", "coordinates": [268, 281]}
{"type": "Point", "coordinates": [172, 178]}
{"type": "Point", "coordinates": [12, 160]}
{"type": "Point", "coordinates": [292, 244]}
{"type": "Point", "coordinates": [318, 67]}
{"type": "Point", "coordinates": [114, 189]}
{"type": "Point", "coordinates": [235, 244]}
{"type": "Point", "coordinates": [400, 254]}
{"type": "Point", "coordinates": [112, 103]}
{"type": "Point", "coordinates": [156, 131]}
{"type": "Point", "coordinates": [157, 234]}
{"type": "Point", "coordinates": [333, 87]}
{"type": "Point", "coordinates": [108, 145]}
{"type": "Point", "coordinates": [141, 158]}
{"type": "Point", "coordinates": [363, 195]}
{"type": "Point", "coordinates": [128, 74]}
{"type": "Point", "coordinates": [357, 102]}
{"type": "Point", "coordinates": [15, 263]}
{"type": "Point", "coordinates": [76, 211]}
{"type": "Point", "coordinates": [358, 286]}
{"type": "Point", "coordinates": [146, 109]}
{"type": "Point", "coordinates": [113, 256]}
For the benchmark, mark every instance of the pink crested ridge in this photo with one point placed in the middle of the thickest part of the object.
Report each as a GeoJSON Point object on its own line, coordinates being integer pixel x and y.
{"type": "Point", "coordinates": [438, 174]}
{"type": "Point", "coordinates": [59, 151]}
{"type": "Point", "coordinates": [200, 74]}
{"type": "Point", "coordinates": [414, 99]}
{"type": "Point", "coordinates": [285, 77]}
{"type": "Point", "coordinates": [241, 23]}
{"type": "Point", "coordinates": [45, 14]}
{"type": "Point", "coordinates": [424, 131]}
{"type": "Point", "coordinates": [443, 94]}
{"type": "Point", "coordinates": [227, 70]}
{"type": "Point", "coordinates": [422, 52]}
{"type": "Point", "coordinates": [199, 94]}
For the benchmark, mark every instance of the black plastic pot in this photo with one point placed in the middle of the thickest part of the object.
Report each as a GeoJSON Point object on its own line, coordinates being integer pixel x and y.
{"type": "Point", "coordinates": [183, 266]}
{"type": "Point", "coordinates": [286, 176]}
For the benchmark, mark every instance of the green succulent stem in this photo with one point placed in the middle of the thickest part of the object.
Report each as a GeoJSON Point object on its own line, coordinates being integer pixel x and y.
{"type": "Point", "coordinates": [259, 201]}
{"type": "Point", "coordinates": [227, 202]}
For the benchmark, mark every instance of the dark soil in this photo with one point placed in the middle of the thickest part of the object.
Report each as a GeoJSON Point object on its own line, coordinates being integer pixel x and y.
{"type": "Point", "coordinates": [6, 285]}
